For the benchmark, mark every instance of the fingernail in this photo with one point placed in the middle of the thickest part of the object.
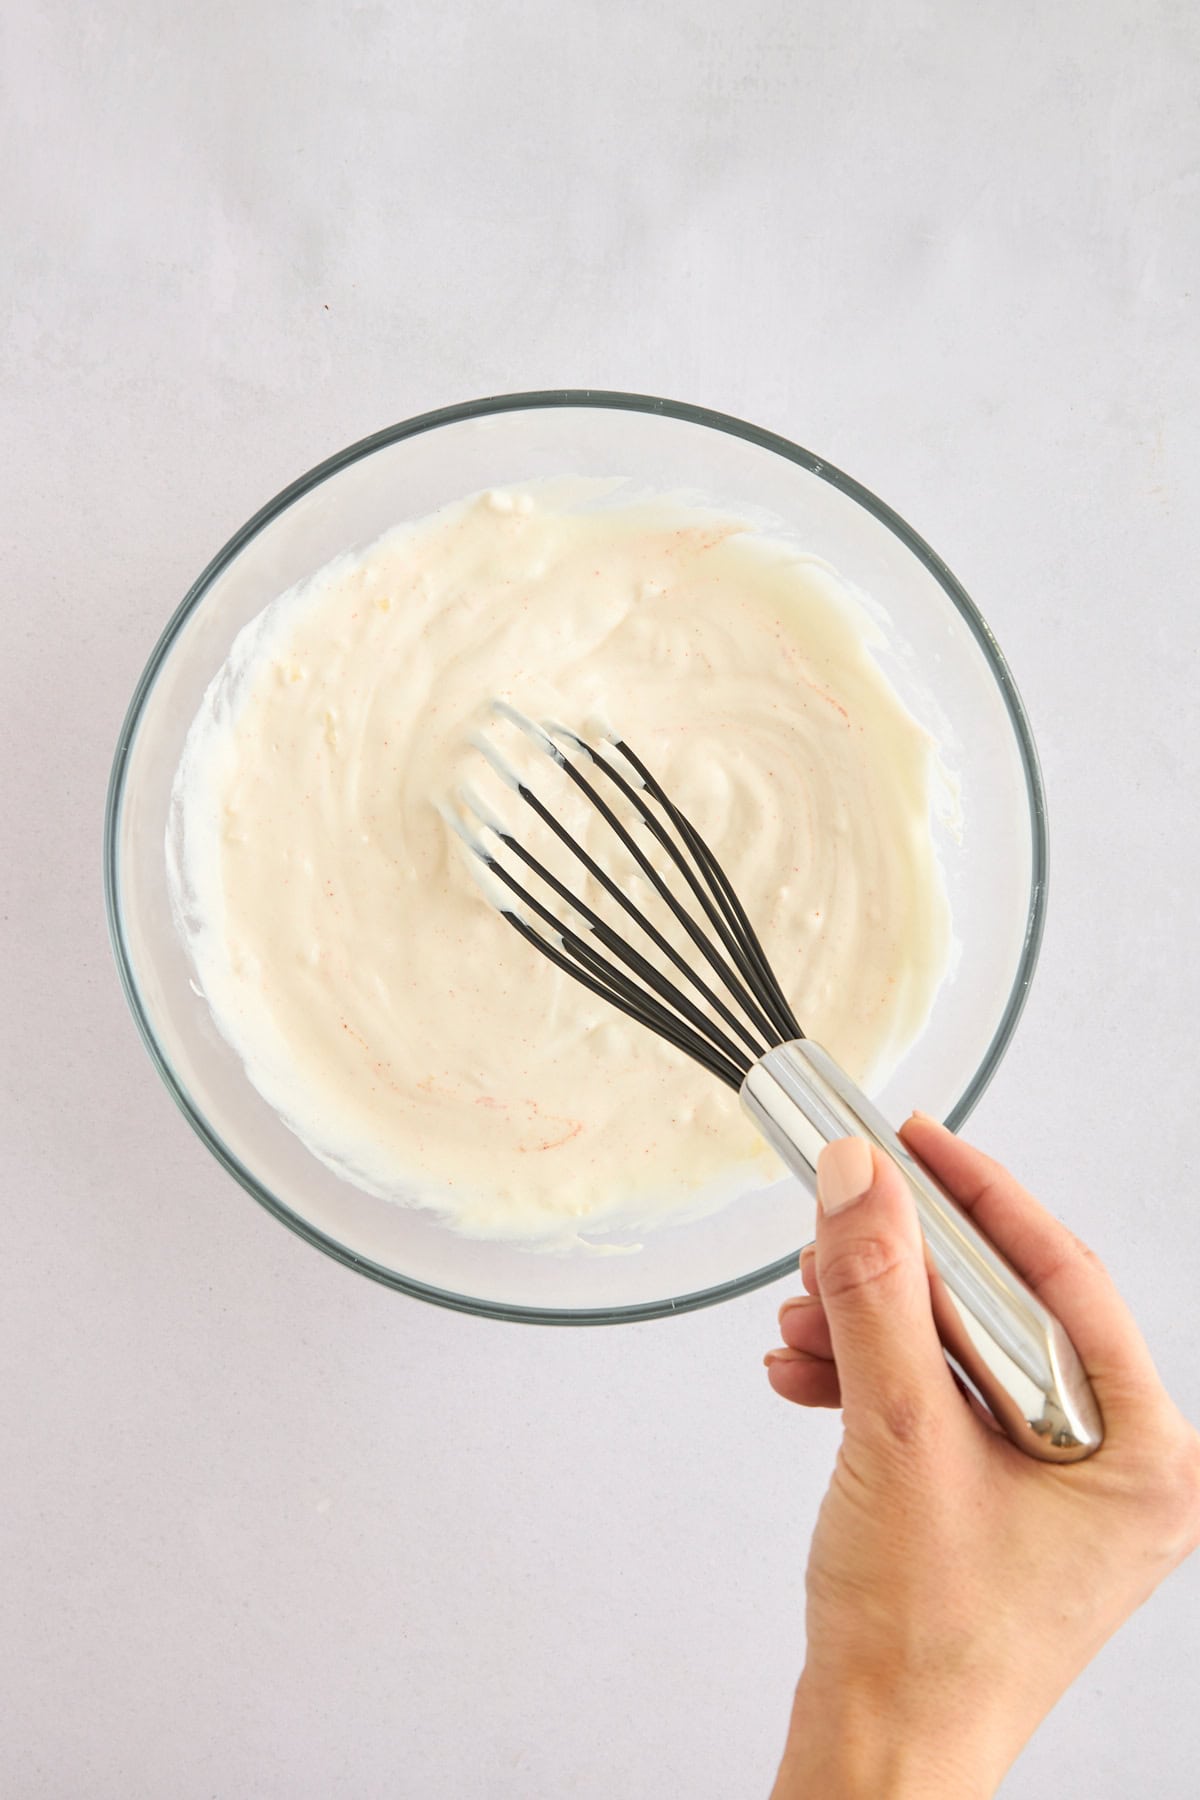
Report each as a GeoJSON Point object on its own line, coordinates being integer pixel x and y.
{"type": "Point", "coordinates": [797, 1300]}
{"type": "Point", "coordinates": [785, 1355]}
{"type": "Point", "coordinates": [845, 1170]}
{"type": "Point", "coordinates": [808, 1250]}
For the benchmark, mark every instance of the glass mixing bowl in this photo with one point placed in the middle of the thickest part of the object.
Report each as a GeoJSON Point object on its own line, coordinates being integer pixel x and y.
{"type": "Point", "coordinates": [939, 655]}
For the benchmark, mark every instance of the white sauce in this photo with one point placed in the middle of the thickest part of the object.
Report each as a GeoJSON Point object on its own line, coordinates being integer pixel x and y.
{"type": "Point", "coordinates": [377, 1000]}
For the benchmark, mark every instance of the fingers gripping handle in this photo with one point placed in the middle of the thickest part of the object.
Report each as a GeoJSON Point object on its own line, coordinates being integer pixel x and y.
{"type": "Point", "coordinates": [1014, 1351]}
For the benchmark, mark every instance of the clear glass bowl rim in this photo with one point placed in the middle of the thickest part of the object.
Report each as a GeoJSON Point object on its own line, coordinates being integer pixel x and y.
{"type": "Point", "coordinates": [620, 402]}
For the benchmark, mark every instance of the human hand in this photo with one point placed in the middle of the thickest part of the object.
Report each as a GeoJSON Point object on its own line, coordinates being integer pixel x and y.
{"type": "Point", "coordinates": [955, 1586]}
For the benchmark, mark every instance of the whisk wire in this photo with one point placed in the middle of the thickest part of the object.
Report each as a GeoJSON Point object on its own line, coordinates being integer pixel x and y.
{"type": "Point", "coordinates": [727, 916]}
{"type": "Point", "coordinates": [633, 1002]}
{"type": "Point", "coordinates": [728, 974]}
{"type": "Point", "coordinates": [656, 937]}
{"type": "Point", "coordinates": [612, 940]}
{"type": "Point", "coordinates": [644, 993]}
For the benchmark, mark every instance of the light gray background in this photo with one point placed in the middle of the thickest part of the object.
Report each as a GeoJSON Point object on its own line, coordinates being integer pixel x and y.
{"type": "Point", "coordinates": [273, 1531]}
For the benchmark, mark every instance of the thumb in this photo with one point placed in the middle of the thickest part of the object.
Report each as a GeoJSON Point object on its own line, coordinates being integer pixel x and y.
{"type": "Point", "coordinates": [870, 1261]}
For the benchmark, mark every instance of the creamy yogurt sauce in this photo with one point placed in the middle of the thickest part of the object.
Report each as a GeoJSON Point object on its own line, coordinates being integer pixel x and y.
{"type": "Point", "coordinates": [393, 1019]}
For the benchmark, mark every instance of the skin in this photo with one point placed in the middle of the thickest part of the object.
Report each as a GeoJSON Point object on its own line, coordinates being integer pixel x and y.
{"type": "Point", "coordinates": [955, 1587]}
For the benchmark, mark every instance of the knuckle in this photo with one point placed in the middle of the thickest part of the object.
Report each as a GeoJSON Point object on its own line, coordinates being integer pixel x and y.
{"type": "Point", "coordinates": [1086, 1255]}
{"type": "Point", "coordinates": [1183, 1493]}
{"type": "Point", "coordinates": [1070, 1258]}
{"type": "Point", "coordinates": [1169, 1500]}
{"type": "Point", "coordinates": [907, 1419]}
{"type": "Point", "coordinates": [866, 1264]}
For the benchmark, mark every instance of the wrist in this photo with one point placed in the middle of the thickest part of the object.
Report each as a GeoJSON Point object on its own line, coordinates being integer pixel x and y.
{"type": "Point", "coordinates": [858, 1744]}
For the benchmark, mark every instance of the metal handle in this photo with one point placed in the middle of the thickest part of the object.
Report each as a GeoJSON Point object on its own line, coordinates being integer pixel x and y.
{"type": "Point", "coordinates": [1012, 1350]}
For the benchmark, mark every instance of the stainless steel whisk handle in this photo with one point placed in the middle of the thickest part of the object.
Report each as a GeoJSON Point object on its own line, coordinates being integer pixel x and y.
{"type": "Point", "coordinates": [1012, 1349]}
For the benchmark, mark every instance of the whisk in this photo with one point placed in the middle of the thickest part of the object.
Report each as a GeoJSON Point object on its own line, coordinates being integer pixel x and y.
{"type": "Point", "coordinates": [725, 1008]}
